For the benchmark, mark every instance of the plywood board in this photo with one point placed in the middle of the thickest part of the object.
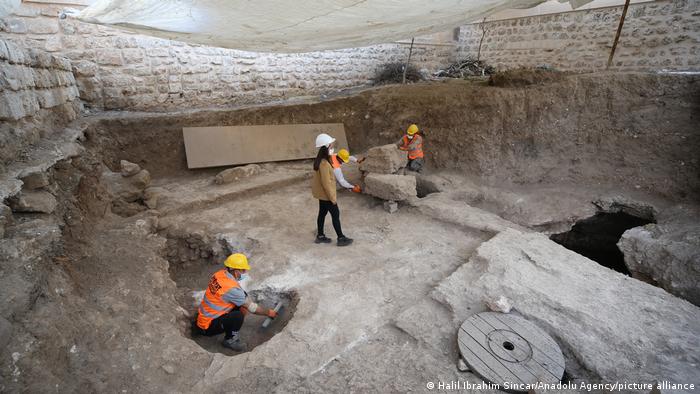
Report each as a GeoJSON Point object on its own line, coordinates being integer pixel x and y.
{"type": "Point", "coordinates": [231, 145]}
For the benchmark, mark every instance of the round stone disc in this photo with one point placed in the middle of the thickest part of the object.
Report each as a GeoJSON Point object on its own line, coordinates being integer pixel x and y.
{"type": "Point", "coordinates": [504, 348]}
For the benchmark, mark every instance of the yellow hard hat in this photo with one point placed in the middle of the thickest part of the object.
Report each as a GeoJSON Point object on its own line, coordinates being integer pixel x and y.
{"type": "Point", "coordinates": [344, 155]}
{"type": "Point", "coordinates": [412, 129]}
{"type": "Point", "coordinates": [237, 261]}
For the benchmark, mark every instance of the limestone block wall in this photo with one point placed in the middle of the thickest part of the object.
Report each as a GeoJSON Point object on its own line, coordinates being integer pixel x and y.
{"type": "Point", "coordinates": [118, 70]}
{"type": "Point", "coordinates": [36, 89]}
{"type": "Point", "coordinates": [656, 35]}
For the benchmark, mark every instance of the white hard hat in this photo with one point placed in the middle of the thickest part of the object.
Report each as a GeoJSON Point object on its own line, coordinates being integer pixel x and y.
{"type": "Point", "coordinates": [324, 139]}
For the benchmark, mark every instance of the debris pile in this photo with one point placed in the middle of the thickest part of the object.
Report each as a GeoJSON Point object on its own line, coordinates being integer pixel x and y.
{"type": "Point", "coordinates": [393, 73]}
{"type": "Point", "coordinates": [465, 68]}
{"type": "Point", "coordinates": [126, 188]}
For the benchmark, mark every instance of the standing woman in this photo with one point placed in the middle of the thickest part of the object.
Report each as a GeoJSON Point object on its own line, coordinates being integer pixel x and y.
{"type": "Point", "coordinates": [323, 189]}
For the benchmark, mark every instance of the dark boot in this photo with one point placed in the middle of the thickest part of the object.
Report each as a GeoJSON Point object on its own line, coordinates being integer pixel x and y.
{"type": "Point", "coordinates": [234, 343]}
{"type": "Point", "coordinates": [322, 239]}
{"type": "Point", "coordinates": [344, 241]}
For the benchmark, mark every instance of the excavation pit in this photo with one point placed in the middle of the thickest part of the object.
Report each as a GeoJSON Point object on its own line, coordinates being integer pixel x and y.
{"type": "Point", "coordinates": [193, 258]}
{"type": "Point", "coordinates": [252, 332]}
{"type": "Point", "coordinates": [596, 238]}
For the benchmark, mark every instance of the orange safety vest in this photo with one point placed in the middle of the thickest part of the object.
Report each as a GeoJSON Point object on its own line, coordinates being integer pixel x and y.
{"type": "Point", "coordinates": [417, 152]}
{"type": "Point", "coordinates": [213, 304]}
{"type": "Point", "coordinates": [335, 163]}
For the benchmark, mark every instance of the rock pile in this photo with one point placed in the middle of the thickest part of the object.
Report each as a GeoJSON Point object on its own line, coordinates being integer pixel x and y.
{"type": "Point", "coordinates": [126, 188]}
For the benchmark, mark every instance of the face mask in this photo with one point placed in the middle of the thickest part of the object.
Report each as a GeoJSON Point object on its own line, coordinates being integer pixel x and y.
{"type": "Point", "coordinates": [244, 282]}
{"type": "Point", "coordinates": [410, 137]}
{"type": "Point", "coordinates": [331, 151]}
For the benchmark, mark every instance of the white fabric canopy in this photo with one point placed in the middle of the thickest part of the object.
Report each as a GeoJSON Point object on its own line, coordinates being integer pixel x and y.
{"type": "Point", "coordinates": [291, 26]}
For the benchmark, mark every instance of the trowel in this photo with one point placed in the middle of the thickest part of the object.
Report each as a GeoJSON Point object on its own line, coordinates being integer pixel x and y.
{"type": "Point", "coordinates": [269, 319]}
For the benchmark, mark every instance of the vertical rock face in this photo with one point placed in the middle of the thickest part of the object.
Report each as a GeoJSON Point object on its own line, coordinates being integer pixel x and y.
{"type": "Point", "coordinates": [617, 327]}
{"type": "Point", "coordinates": [385, 159]}
{"type": "Point", "coordinates": [5, 218]}
{"type": "Point", "coordinates": [667, 254]}
{"type": "Point", "coordinates": [391, 187]}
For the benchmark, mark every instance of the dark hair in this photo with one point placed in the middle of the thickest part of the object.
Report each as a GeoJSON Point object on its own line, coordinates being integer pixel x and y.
{"type": "Point", "coordinates": [322, 154]}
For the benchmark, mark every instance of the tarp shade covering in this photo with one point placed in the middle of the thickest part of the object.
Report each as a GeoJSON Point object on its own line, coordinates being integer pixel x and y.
{"type": "Point", "coordinates": [291, 26]}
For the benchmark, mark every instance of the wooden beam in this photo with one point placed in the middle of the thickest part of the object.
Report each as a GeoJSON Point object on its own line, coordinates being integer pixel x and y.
{"type": "Point", "coordinates": [617, 35]}
{"type": "Point", "coordinates": [405, 67]}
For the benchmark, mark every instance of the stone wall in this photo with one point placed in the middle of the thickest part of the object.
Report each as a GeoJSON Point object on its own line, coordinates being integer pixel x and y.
{"type": "Point", "coordinates": [656, 35]}
{"type": "Point", "coordinates": [36, 89]}
{"type": "Point", "coordinates": [118, 70]}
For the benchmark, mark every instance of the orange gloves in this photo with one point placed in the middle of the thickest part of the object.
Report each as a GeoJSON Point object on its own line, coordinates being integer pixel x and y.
{"type": "Point", "coordinates": [357, 189]}
{"type": "Point", "coordinates": [271, 313]}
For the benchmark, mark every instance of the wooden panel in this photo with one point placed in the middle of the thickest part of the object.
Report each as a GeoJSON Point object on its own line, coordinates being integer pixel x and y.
{"type": "Point", "coordinates": [230, 145]}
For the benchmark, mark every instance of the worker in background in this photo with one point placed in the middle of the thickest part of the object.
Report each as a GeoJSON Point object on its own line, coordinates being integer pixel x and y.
{"type": "Point", "coordinates": [343, 156]}
{"type": "Point", "coordinates": [323, 188]}
{"type": "Point", "coordinates": [225, 303]}
{"type": "Point", "coordinates": [412, 142]}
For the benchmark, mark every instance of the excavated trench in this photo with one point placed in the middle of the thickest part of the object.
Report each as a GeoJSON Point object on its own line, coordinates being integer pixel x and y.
{"type": "Point", "coordinates": [612, 140]}
{"type": "Point", "coordinates": [192, 259]}
{"type": "Point", "coordinates": [596, 237]}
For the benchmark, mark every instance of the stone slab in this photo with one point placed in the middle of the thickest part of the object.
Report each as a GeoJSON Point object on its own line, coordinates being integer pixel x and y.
{"type": "Point", "coordinates": [230, 145]}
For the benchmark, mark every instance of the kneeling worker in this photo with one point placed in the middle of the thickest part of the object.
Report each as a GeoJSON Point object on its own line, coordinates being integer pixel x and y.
{"type": "Point", "coordinates": [413, 143]}
{"type": "Point", "coordinates": [344, 157]}
{"type": "Point", "coordinates": [225, 303]}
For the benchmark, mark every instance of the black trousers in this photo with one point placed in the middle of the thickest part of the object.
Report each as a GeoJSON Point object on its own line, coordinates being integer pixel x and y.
{"type": "Point", "coordinates": [323, 208]}
{"type": "Point", "coordinates": [226, 323]}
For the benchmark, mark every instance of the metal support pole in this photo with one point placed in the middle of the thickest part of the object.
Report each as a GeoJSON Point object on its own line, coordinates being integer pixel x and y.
{"type": "Point", "coordinates": [617, 36]}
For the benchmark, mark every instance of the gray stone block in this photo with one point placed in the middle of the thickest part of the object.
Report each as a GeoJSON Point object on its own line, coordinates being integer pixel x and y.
{"type": "Point", "coordinates": [236, 173]}
{"type": "Point", "coordinates": [385, 159]}
{"type": "Point", "coordinates": [11, 106]}
{"type": "Point", "coordinates": [391, 206]}
{"type": "Point", "coordinates": [33, 201]}
{"type": "Point", "coordinates": [42, 25]}
{"type": "Point", "coordinates": [128, 168]}
{"type": "Point", "coordinates": [35, 180]}
{"type": "Point", "coordinates": [391, 187]}
{"type": "Point", "coordinates": [667, 254]}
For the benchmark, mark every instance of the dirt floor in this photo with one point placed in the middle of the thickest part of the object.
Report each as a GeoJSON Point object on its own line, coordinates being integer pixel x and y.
{"type": "Point", "coordinates": [116, 305]}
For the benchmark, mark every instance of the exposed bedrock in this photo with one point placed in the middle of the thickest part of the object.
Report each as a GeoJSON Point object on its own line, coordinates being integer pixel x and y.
{"type": "Point", "coordinates": [616, 327]}
{"type": "Point", "coordinates": [667, 255]}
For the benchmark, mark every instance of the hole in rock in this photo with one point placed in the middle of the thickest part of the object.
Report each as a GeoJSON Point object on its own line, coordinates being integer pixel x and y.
{"type": "Point", "coordinates": [596, 238]}
{"type": "Point", "coordinates": [192, 260]}
{"type": "Point", "coordinates": [425, 188]}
